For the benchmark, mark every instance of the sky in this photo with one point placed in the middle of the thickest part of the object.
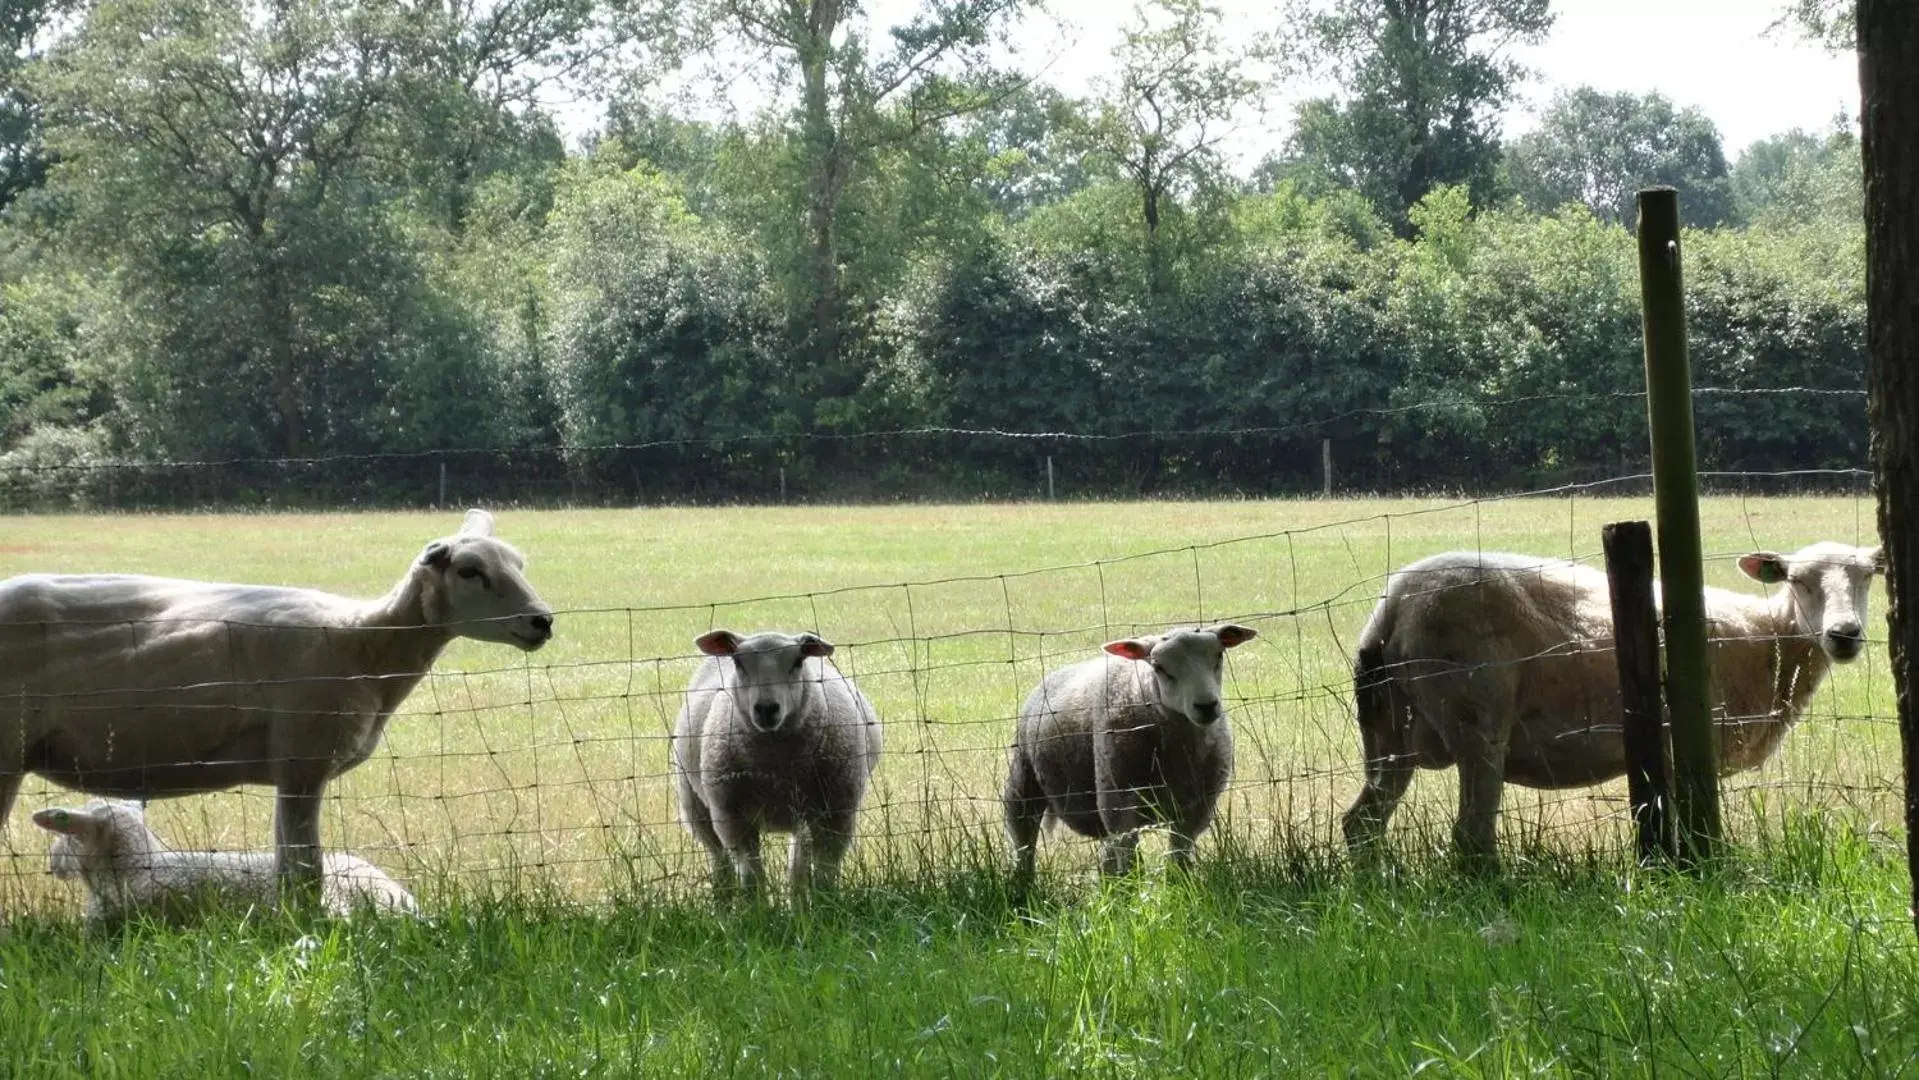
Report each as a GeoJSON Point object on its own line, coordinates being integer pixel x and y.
{"type": "Point", "coordinates": [1715, 55]}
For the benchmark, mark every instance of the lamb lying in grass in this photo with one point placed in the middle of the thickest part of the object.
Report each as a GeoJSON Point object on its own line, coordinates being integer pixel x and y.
{"type": "Point", "coordinates": [129, 870]}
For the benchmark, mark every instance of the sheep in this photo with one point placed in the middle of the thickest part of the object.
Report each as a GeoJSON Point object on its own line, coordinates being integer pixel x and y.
{"type": "Point", "coordinates": [772, 737]}
{"type": "Point", "coordinates": [144, 687]}
{"type": "Point", "coordinates": [1502, 664]}
{"type": "Point", "coordinates": [129, 870]}
{"type": "Point", "coordinates": [1115, 743]}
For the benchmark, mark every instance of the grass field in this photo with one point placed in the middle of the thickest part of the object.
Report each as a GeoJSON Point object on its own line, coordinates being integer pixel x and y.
{"type": "Point", "coordinates": [540, 782]}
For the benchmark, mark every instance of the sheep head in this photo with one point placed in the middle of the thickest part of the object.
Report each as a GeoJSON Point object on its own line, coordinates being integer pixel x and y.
{"type": "Point", "coordinates": [476, 587]}
{"type": "Point", "coordinates": [1187, 666]}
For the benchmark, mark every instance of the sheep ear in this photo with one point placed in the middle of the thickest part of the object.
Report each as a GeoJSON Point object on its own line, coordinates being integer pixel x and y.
{"type": "Point", "coordinates": [1878, 559]}
{"type": "Point", "coordinates": [1131, 649]}
{"type": "Point", "coordinates": [57, 820]}
{"type": "Point", "coordinates": [477, 523]}
{"type": "Point", "coordinates": [81, 823]}
{"type": "Point", "coordinates": [1232, 634]}
{"type": "Point", "coordinates": [437, 555]}
{"type": "Point", "coordinates": [718, 643]}
{"type": "Point", "coordinates": [1766, 567]}
{"type": "Point", "coordinates": [815, 645]}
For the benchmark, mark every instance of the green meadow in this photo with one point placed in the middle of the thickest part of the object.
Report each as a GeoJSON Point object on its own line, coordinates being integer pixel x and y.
{"type": "Point", "coordinates": [525, 798]}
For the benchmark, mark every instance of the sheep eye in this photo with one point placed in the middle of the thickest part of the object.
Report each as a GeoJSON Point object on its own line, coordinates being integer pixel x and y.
{"type": "Point", "coordinates": [1163, 673]}
{"type": "Point", "coordinates": [800, 662]}
{"type": "Point", "coordinates": [471, 572]}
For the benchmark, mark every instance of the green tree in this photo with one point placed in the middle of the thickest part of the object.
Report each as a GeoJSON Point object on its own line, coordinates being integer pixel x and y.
{"type": "Point", "coordinates": [856, 96]}
{"type": "Point", "coordinates": [1599, 149]}
{"type": "Point", "coordinates": [475, 74]}
{"type": "Point", "coordinates": [1832, 23]}
{"type": "Point", "coordinates": [221, 168]}
{"type": "Point", "coordinates": [1028, 150]}
{"type": "Point", "coordinates": [1178, 92]}
{"type": "Point", "coordinates": [660, 329]}
{"type": "Point", "coordinates": [23, 160]}
{"type": "Point", "coordinates": [1425, 83]}
{"type": "Point", "coordinates": [210, 138]}
{"type": "Point", "coordinates": [1796, 178]}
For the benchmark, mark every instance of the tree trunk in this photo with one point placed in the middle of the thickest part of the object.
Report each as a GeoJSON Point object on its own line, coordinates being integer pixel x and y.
{"type": "Point", "coordinates": [826, 165]}
{"type": "Point", "coordinates": [276, 331]}
{"type": "Point", "coordinates": [1889, 100]}
{"type": "Point", "coordinates": [1155, 276]}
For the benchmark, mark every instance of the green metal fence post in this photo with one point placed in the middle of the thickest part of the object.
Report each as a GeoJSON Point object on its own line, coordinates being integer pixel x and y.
{"type": "Point", "coordinates": [1695, 758]}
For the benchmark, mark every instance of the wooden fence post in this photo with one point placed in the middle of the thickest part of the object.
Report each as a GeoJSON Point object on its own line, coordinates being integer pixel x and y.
{"type": "Point", "coordinates": [1629, 569]}
{"type": "Point", "coordinates": [1676, 496]}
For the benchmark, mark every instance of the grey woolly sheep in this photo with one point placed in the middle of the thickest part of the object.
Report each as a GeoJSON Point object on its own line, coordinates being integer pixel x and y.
{"type": "Point", "coordinates": [1122, 741]}
{"type": "Point", "coordinates": [772, 737]}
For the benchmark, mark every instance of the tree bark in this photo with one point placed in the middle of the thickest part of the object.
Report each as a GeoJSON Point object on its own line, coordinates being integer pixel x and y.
{"type": "Point", "coordinates": [825, 160]}
{"type": "Point", "coordinates": [1889, 102]}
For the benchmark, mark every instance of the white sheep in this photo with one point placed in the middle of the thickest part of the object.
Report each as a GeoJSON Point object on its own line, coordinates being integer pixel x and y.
{"type": "Point", "coordinates": [772, 737]}
{"type": "Point", "coordinates": [1503, 665]}
{"type": "Point", "coordinates": [129, 870]}
{"type": "Point", "coordinates": [1116, 743]}
{"type": "Point", "coordinates": [143, 687]}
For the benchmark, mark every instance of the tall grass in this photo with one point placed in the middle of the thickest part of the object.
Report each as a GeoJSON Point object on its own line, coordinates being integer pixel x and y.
{"type": "Point", "coordinates": [1782, 962]}
{"type": "Point", "coordinates": [569, 932]}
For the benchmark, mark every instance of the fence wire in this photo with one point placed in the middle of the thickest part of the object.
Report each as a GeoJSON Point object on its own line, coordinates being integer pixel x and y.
{"type": "Point", "coordinates": [1358, 449]}
{"type": "Point", "coordinates": [550, 770]}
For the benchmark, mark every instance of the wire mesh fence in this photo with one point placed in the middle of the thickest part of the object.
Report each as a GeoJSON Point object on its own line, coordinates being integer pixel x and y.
{"type": "Point", "coordinates": [550, 770]}
{"type": "Point", "coordinates": [1509, 442]}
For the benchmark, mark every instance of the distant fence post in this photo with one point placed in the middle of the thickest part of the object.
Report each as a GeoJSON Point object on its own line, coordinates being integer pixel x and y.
{"type": "Point", "coordinates": [1326, 467]}
{"type": "Point", "coordinates": [1049, 478]}
{"type": "Point", "coordinates": [782, 483]}
{"type": "Point", "coordinates": [442, 503]}
{"type": "Point", "coordinates": [1629, 568]}
{"type": "Point", "coordinates": [1676, 496]}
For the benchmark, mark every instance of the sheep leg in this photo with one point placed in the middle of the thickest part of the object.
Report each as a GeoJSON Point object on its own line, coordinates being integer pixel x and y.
{"type": "Point", "coordinates": [1023, 803]}
{"type": "Point", "coordinates": [699, 822]}
{"type": "Point", "coordinates": [1185, 832]}
{"type": "Point", "coordinates": [742, 840]}
{"type": "Point", "coordinates": [799, 862]}
{"type": "Point", "coordinates": [1116, 853]}
{"type": "Point", "coordinates": [1124, 810]}
{"type": "Point", "coordinates": [296, 838]}
{"type": "Point", "coordinates": [818, 851]}
{"type": "Point", "coordinates": [1179, 848]}
{"type": "Point", "coordinates": [1481, 752]}
{"type": "Point", "coordinates": [1389, 772]}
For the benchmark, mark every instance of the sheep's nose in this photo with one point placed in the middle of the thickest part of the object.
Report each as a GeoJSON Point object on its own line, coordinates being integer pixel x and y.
{"type": "Point", "coordinates": [543, 623]}
{"type": "Point", "coordinates": [1205, 712]}
{"type": "Point", "coordinates": [766, 714]}
{"type": "Point", "coordinates": [1845, 640]}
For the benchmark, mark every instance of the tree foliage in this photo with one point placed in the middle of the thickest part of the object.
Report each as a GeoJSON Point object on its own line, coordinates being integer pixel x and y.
{"type": "Point", "coordinates": [351, 231]}
{"type": "Point", "coordinates": [1179, 90]}
{"type": "Point", "coordinates": [1425, 82]}
{"type": "Point", "coordinates": [23, 159]}
{"type": "Point", "coordinates": [1599, 149]}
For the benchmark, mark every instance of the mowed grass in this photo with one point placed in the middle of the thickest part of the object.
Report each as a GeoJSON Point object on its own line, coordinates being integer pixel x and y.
{"type": "Point", "coordinates": [526, 798]}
